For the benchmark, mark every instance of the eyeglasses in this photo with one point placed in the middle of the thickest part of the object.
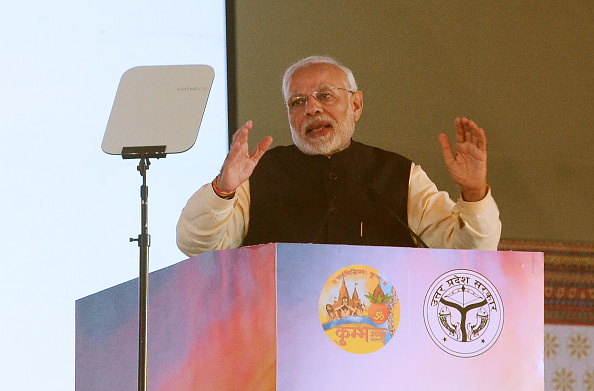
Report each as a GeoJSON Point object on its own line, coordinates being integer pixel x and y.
{"type": "Point", "coordinates": [326, 97]}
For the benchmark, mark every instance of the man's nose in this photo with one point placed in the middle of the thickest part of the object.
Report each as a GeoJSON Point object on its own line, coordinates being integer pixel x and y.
{"type": "Point", "coordinates": [313, 106]}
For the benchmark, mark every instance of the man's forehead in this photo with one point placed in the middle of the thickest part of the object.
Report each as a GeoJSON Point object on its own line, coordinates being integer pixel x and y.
{"type": "Point", "coordinates": [315, 77]}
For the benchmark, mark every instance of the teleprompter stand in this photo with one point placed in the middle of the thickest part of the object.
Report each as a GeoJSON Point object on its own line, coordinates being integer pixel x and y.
{"type": "Point", "coordinates": [157, 111]}
{"type": "Point", "coordinates": [144, 242]}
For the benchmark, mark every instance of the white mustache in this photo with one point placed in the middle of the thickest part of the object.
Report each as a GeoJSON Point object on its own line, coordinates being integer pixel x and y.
{"type": "Point", "coordinates": [318, 119]}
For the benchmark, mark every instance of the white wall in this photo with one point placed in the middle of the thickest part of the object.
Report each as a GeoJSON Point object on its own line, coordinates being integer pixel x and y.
{"type": "Point", "coordinates": [67, 210]}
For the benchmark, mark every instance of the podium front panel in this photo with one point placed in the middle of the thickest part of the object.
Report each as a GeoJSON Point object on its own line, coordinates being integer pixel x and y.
{"type": "Point", "coordinates": [311, 359]}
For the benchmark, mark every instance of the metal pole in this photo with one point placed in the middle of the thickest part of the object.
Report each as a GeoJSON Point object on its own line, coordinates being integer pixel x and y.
{"type": "Point", "coordinates": [144, 242]}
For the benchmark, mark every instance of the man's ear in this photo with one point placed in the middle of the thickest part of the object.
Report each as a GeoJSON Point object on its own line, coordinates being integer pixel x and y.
{"type": "Point", "coordinates": [357, 104]}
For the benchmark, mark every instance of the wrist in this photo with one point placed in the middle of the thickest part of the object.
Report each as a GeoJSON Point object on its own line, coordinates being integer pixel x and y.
{"type": "Point", "coordinates": [226, 195]}
{"type": "Point", "coordinates": [474, 195]}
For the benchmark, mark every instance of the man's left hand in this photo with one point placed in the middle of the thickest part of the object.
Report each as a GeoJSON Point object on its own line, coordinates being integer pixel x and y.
{"type": "Point", "coordinates": [468, 167]}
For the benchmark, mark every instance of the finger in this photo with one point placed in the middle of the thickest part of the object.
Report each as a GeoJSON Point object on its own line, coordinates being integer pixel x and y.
{"type": "Point", "coordinates": [243, 129]}
{"type": "Point", "coordinates": [261, 148]}
{"type": "Point", "coordinates": [240, 137]}
{"type": "Point", "coordinates": [460, 131]}
{"type": "Point", "coordinates": [472, 125]}
{"type": "Point", "coordinates": [472, 132]}
{"type": "Point", "coordinates": [481, 142]}
{"type": "Point", "coordinates": [446, 149]}
{"type": "Point", "coordinates": [468, 129]}
{"type": "Point", "coordinates": [477, 135]}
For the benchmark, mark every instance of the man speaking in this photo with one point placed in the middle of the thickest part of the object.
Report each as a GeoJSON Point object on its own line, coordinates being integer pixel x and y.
{"type": "Point", "coordinates": [328, 188]}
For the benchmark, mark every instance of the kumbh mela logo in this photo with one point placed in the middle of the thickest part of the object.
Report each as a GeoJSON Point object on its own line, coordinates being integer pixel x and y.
{"type": "Point", "coordinates": [359, 309]}
{"type": "Point", "coordinates": [463, 313]}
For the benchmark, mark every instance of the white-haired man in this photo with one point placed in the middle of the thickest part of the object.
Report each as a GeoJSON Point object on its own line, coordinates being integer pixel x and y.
{"type": "Point", "coordinates": [317, 191]}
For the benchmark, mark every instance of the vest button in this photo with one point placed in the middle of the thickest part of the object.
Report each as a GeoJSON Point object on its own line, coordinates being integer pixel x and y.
{"type": "Point", "coordinates": [333, 209]}
{"type": "Point", "coordinates": [332, 176]}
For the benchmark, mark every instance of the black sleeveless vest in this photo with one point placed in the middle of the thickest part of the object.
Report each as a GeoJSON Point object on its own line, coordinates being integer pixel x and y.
{"type": "Point", "coordinates": [299, 198]}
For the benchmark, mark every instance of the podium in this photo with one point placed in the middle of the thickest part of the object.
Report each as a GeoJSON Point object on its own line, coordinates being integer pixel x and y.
{"type": "Point", "coordinates": [323, 317]}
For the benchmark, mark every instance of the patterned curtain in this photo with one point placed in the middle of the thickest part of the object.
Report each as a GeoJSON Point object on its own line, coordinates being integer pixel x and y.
{"type": "Point", "coordinates": [569, 312]}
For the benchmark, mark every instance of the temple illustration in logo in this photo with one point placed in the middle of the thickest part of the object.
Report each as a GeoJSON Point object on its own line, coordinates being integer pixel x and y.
{"type": "Point", "coordinates": [364, 321]}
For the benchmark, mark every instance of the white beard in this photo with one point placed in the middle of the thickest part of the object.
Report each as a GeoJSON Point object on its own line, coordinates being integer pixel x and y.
{"type": "Point", "coordinates": [335, 141]}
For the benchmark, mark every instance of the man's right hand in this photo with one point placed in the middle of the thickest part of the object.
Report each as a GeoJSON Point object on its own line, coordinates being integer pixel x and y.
{"type": "Point", "coordinates": [239, 164]}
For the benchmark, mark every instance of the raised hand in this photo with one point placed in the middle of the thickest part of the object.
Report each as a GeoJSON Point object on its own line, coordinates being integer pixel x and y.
{"type": "Point", "coordinates": [468, 167]}
{"type": "Point", "coordinates": [239, 164]}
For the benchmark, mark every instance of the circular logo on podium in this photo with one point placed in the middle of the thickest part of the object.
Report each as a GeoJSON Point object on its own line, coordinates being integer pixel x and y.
{"type": "Point", "coordinates": [359, 309]}
{"type": "Point", "coordinates": [463, 313]}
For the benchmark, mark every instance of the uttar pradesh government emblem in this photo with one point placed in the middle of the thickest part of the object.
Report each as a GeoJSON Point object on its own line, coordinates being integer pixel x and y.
{"type": "Point", "coordinates": [359, 309]}
{"type": "Point", "coordinates": [463, 313]}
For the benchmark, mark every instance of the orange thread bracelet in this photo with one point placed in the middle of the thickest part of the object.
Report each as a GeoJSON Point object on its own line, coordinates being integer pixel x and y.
{"type": "Point", "coordinates": [227, 195]}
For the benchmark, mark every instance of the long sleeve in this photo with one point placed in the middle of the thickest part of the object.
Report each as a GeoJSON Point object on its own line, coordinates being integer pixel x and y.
{"type": "Point", "coordinates": [441, 223]}
{"type": "Point", "coordinates": [209, 222]}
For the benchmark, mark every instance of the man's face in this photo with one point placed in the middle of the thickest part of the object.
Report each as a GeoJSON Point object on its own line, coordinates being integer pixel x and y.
{"type": "Point", "coordinates": [319, 127]}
